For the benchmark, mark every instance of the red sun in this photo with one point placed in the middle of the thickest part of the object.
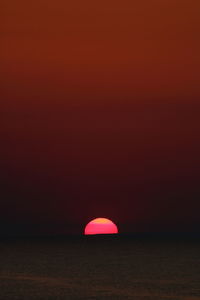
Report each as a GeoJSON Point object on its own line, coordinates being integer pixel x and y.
{"type": "Point", "coordinates": [101, 226]}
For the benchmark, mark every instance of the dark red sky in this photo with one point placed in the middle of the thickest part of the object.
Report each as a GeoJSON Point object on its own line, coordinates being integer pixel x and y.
{"type": "Point", "coordinates": [100, 115]}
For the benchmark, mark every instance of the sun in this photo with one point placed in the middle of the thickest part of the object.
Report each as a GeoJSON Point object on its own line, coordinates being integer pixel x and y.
{"type": "Point", "coordinates": [101, 226]}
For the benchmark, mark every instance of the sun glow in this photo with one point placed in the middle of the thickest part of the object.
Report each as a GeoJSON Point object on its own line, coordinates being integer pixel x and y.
{"type": "Point", "coordinates": [101, 226]}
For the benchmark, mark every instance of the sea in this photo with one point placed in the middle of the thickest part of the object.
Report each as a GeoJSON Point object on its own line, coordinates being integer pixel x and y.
{"type": "Point", "coordinates": [99, 267]}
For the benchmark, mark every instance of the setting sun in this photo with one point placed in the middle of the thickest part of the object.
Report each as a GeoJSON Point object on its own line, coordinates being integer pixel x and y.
{"type": "Point", "coordinates": [101, 226]}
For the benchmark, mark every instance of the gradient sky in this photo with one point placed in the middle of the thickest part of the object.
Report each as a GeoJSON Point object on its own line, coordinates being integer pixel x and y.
{"type": "Point", "coordinates": [99, 115]}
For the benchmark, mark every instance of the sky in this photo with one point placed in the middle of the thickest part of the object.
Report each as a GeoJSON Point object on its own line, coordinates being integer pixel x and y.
{"type": "Point", "coordinates": [99, 115]}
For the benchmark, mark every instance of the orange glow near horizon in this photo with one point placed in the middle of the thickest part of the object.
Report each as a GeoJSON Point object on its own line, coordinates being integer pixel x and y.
{"type": "Point", "coordinates": [101, 226]}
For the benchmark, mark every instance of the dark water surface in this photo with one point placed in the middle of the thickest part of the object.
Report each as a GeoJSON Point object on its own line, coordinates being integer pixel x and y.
{"type": "Point", "coordinates": [99, 268]}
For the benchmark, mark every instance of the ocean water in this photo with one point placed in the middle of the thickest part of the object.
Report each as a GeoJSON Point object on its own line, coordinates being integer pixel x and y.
{"type": "Point", "coordinates": [99, 268]}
